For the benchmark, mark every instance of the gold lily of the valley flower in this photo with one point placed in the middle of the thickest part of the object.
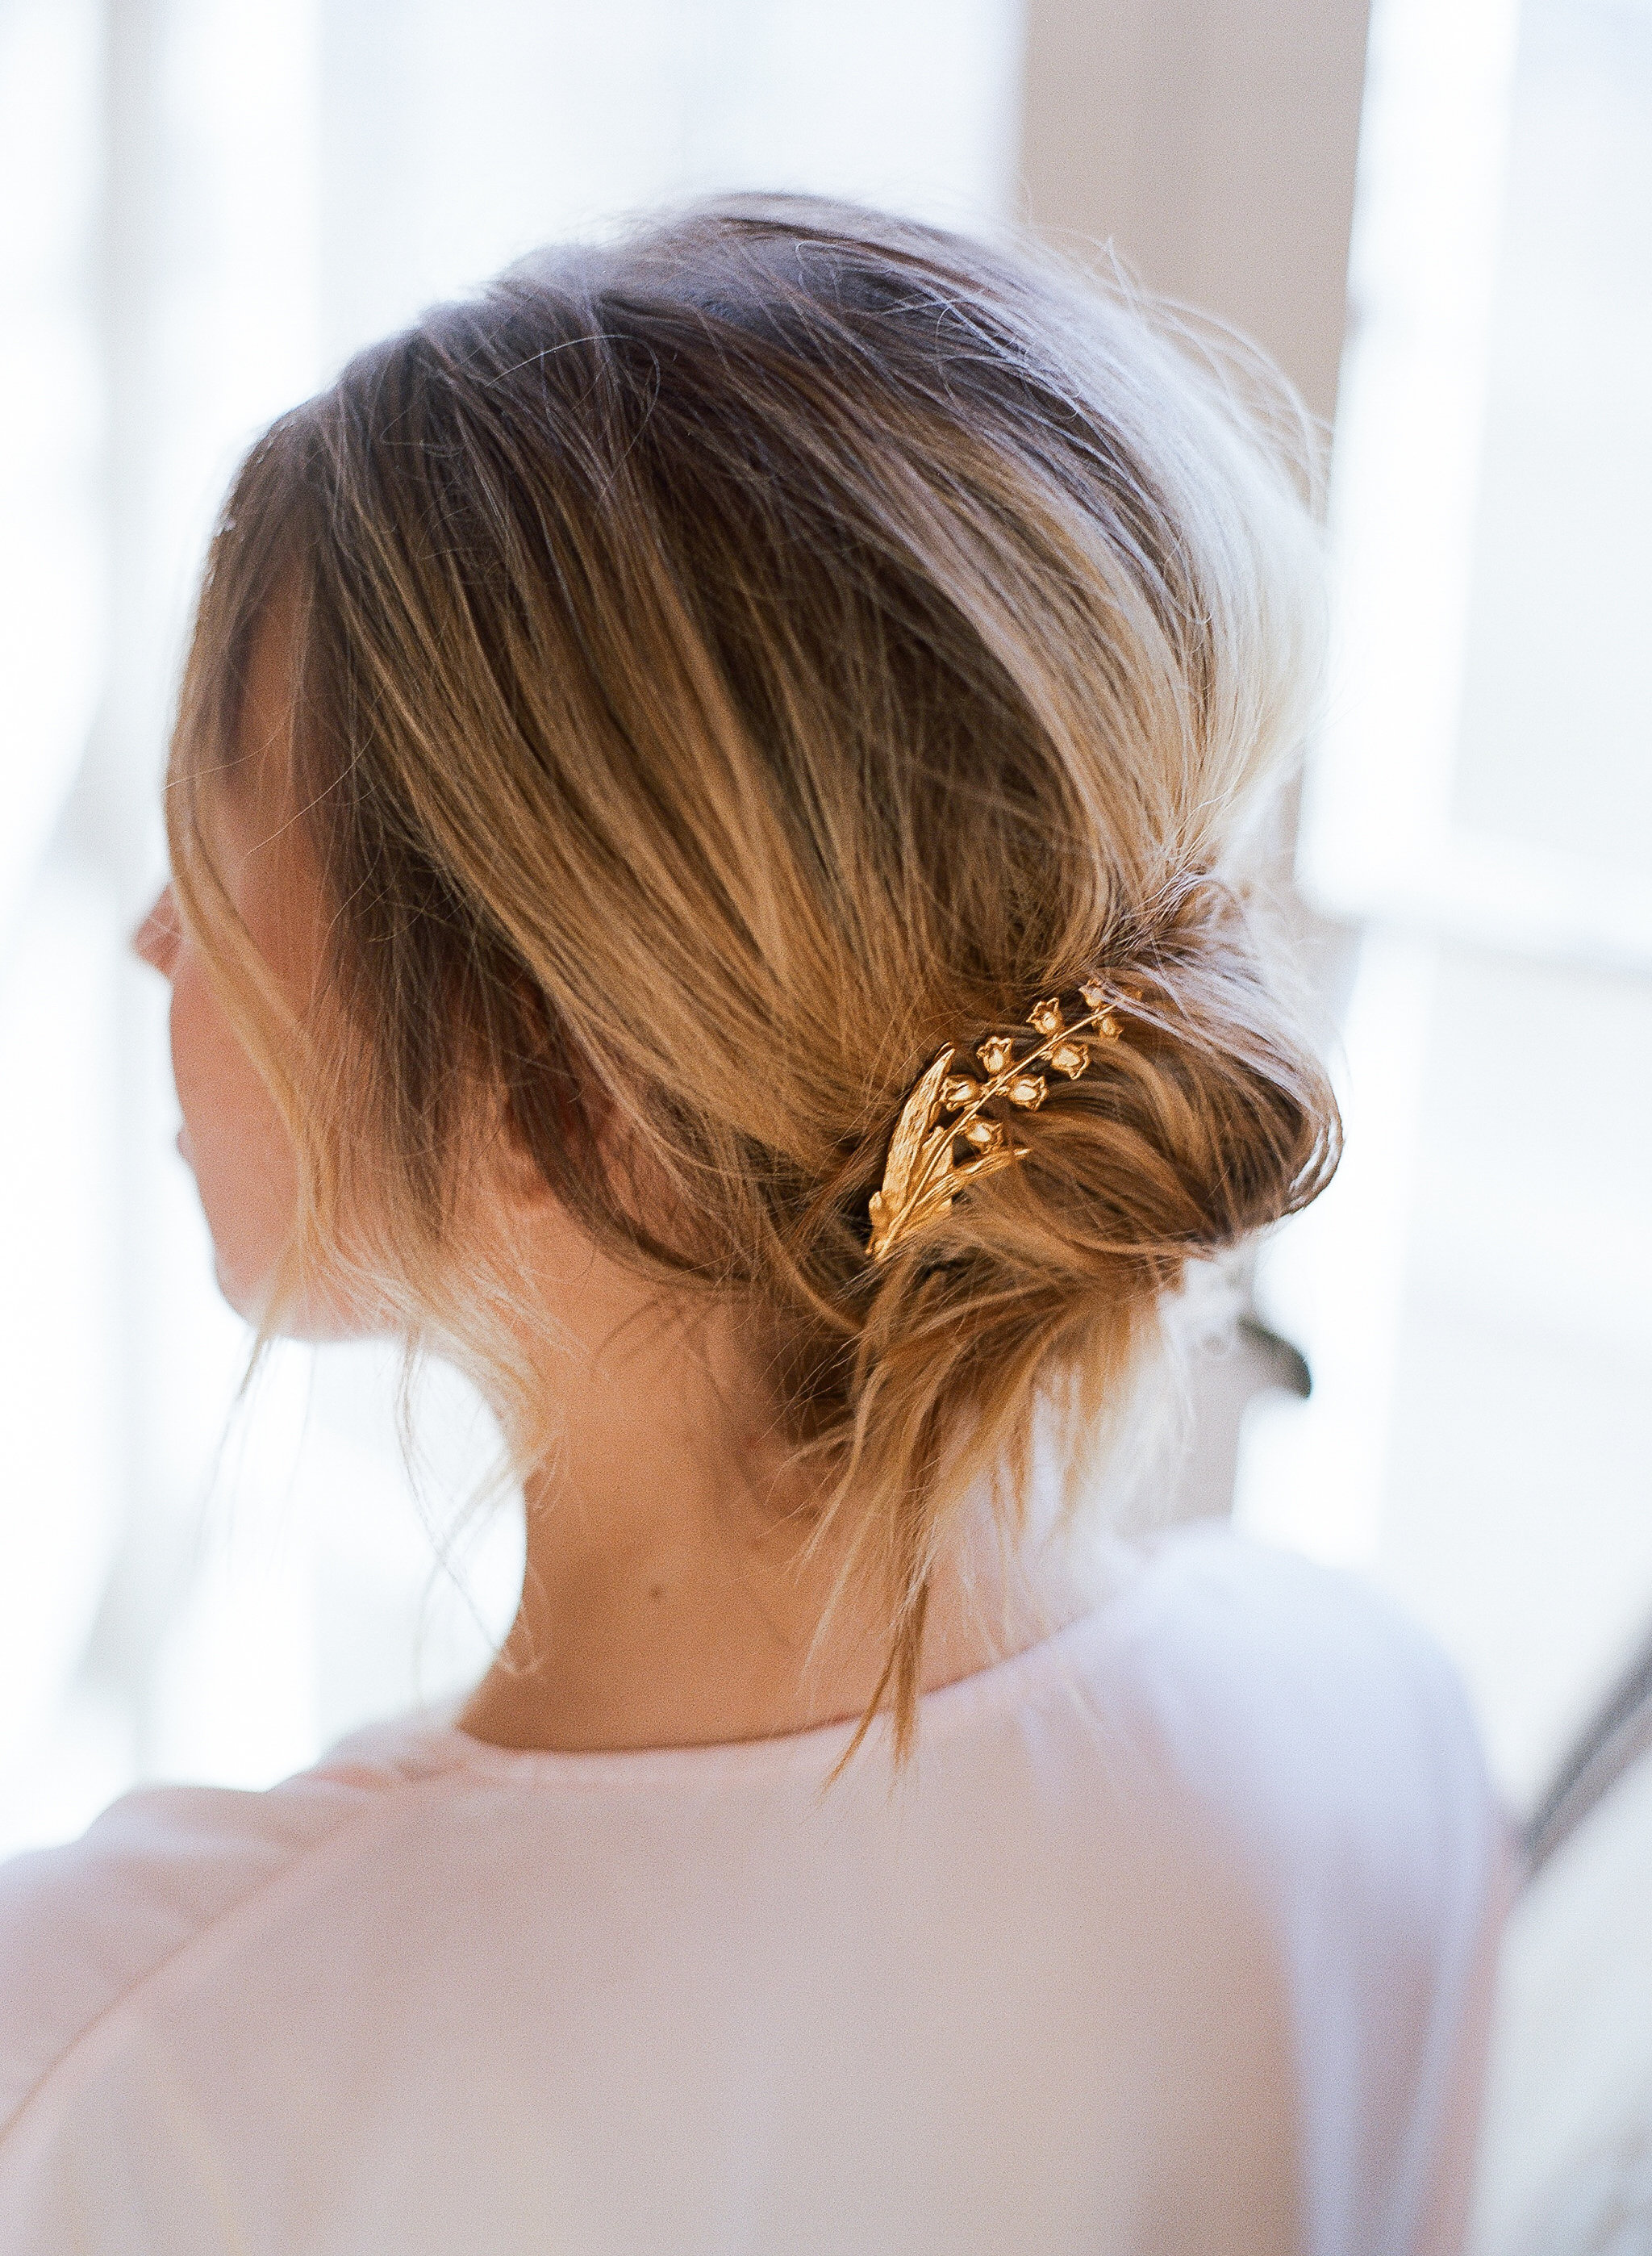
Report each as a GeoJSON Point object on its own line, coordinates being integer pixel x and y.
{"type": "Point", "coordinates": [925, 1171]}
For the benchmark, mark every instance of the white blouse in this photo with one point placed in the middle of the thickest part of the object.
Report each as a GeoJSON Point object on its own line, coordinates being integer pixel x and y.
{"type": "Point", "coordinates": [1177, 1938]}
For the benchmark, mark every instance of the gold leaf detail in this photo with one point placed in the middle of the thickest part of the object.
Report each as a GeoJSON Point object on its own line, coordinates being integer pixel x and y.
{"type": "Point", "coordinates": [889, 1208]}
{"type": "Point", "coordinates": [1028, 1091]}
{"type": "Point", "coordinates": [989, 1163]}
{"type": "Point", "coordinates": [936, 1198]}
{"type": "Point", "coordinates": [1071, 1058]}
{"type": "Point", "coordinates": [1046, 1016]}
{"type": "Point", "coordinates": [996, 1052]}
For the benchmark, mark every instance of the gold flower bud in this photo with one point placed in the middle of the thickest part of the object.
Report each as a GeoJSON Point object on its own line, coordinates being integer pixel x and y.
{"type": "Point", "coordinates": [1046, 1016]}
{"type": "Point", "coordinates": [1027, 1089]}
{"type": "Point", "coordinates": [983, 1135]}
{"type": "Point", "coordinates": [995, 1053]}
{"type": "Point", "coordinates": [1107, 1028]}
{"type": "Point", "coordinates": [1095, 994]}
{"type": "Point", "coordinates": [959, 1090]}
{"type": "Point", "coordinates": [1071, 1058]}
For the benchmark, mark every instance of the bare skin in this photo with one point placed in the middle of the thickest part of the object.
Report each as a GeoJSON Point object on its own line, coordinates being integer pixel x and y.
{"type": "Point", "coordinates": [667, 1601]}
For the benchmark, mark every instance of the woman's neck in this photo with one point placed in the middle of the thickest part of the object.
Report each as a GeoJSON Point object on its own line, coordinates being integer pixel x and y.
{"type": "Point", "coordinates": [671, 1598]}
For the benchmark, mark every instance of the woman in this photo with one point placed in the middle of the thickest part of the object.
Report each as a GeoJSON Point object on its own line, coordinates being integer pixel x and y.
{"type": "Point", "coordinates": [706, 818]}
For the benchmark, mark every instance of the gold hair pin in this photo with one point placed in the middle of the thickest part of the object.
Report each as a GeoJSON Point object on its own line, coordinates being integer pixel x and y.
{"type": "Point", "coordinates": [923, 1174]}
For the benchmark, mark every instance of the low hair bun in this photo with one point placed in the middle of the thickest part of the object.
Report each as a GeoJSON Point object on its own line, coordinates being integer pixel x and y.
{"type": "Point", "coordinates": [1232, 1110]}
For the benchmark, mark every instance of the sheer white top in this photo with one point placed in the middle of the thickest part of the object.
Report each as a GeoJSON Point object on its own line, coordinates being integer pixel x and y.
{"type": "Point", "coordinates": [1177, 1938]}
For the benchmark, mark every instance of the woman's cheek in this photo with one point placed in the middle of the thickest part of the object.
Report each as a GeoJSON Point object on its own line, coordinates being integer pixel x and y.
{"type": "Point", "coordinates": [233, 1139]}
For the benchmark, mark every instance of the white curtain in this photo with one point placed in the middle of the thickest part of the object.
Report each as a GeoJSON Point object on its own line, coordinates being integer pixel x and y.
{"type": "Point", "coordinates": [1472, 1293]}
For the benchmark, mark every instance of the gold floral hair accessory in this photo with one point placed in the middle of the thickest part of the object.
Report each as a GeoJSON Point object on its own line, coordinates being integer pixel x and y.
{"type": "Point", "coordinates": [924, 1174]}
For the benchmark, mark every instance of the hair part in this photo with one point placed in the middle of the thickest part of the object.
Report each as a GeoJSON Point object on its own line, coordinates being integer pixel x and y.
{"type": "Point", "coordinates": [728, 666]}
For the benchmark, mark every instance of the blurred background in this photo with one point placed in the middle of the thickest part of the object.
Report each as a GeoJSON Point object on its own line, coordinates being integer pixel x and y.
{"type": "Point", "coordinates": [1436, 213]}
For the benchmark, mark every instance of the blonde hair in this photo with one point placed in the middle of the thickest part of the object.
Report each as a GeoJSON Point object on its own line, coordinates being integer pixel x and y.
{"type": "Point", "coordinates": [728, 666]}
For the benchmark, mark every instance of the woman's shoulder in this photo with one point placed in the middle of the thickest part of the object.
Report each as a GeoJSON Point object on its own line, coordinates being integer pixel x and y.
{"type": "Point", "coordinates": [84, 1925]}
{"type": "Point", "coordinates": [1213, 1611]}
{"type": "Point", "coordinates": [1220, 1633]}
{"type": "Point", "coordinates": [1306, 1715]}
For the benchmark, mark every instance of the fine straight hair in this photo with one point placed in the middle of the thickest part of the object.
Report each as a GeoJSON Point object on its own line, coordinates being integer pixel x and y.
{"type": "Point", "coordinates": [730, 665]}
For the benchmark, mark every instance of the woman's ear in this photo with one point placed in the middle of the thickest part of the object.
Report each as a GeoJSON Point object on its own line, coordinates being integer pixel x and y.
{"type": "Point", "coordinates": [517, 1176]}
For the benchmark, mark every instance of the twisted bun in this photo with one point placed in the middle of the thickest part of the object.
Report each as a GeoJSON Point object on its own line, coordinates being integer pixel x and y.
{"type": "Point", "coordinates": [838, 636]}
